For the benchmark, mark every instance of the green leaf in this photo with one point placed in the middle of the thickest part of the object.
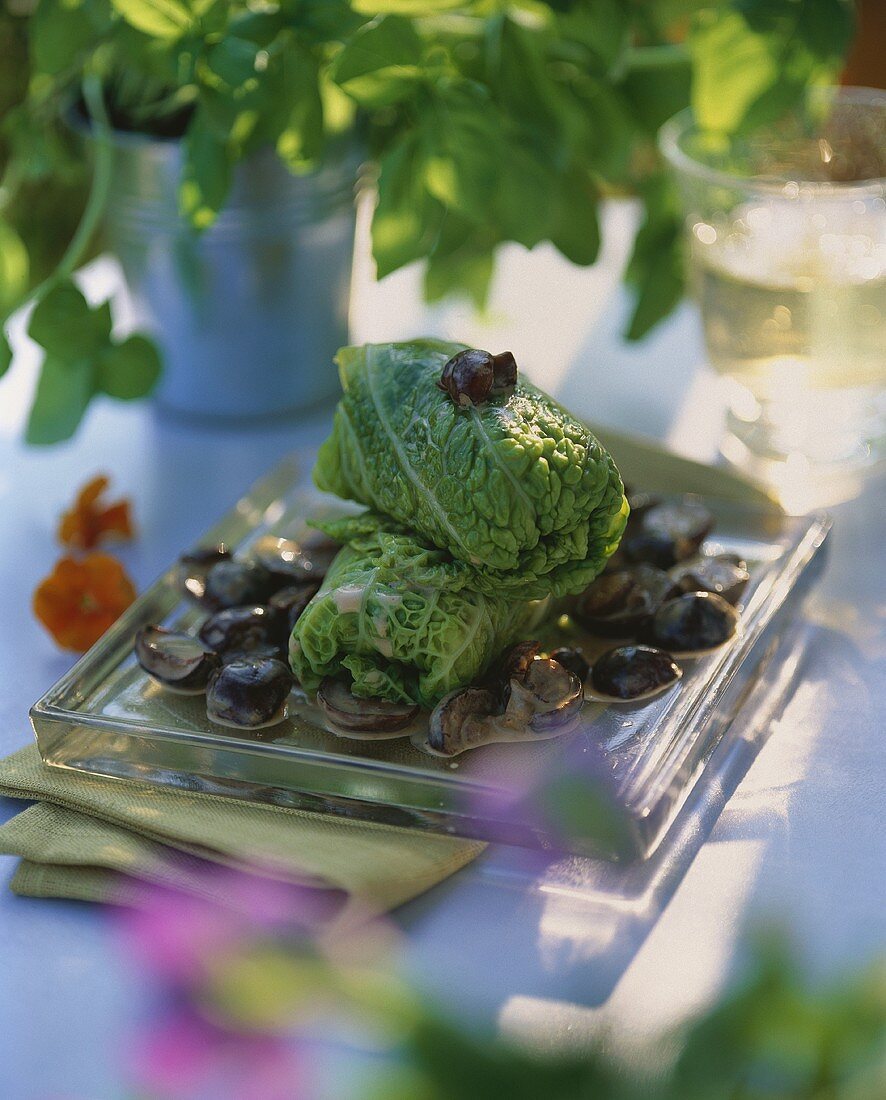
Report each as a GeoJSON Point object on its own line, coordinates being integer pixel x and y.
{"type": "Point", "coordinates": [657, 84]}
{"type": "Point", "coordinates": [129, 370]}
{"type": "Point", "coordinates": [233, 60]}
{"type": "Point", "coordinates": [164, 19]}
{"type": "Point", "coordinates": [406, 220]}
{"type": "Point", "coordinates": [576, 231]}
{"type": "Point", "coordinates": [655, 269]}
{"type": "Point", "coordinates": [826, 27]}
{"type": "Point", "coordinates": [732, 67]}
{"type": "Point", "coordinates": [463, 138]}
{"type": "Point", "coordinates": [301, 137]}
{"type": "Point", "coordinates": [14, 268]}
{"type": "Point", "coordinates": [64, 324]}
{"type": "Point", "coordinates": [381, 64]}
{"type": "Point", "coordinates": [63, 393]}
{"type": "Point", "coordinates": [462, 263]}
{"type": "Point", "coordinates": [206, 174]}
{"type": "Point", "coordinates": [59, 32]}
{"type": "Point", "coordinates": [405, 7]}
{"type": "Point", "coordinates": [603, 27]}
{"type": "Point", "coordinates": [5, 353]}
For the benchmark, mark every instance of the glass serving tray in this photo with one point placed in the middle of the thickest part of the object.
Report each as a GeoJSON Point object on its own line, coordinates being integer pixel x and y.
{"type": "Point", "coordinates": [642, 759]}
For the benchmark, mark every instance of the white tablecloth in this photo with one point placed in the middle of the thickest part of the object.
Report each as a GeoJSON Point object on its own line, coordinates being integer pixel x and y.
{"type": "Point", "coordinates": [802, 839]}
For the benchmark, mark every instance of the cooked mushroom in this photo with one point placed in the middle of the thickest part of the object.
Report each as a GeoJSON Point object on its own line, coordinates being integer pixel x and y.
{"type": "Point", "coordinates": [543, 700]}
{"type": "Point", "coordinates": [573, 659]}
{"type": "Point", "coordinates": [461, 720]}
{"type": "Point", "coordinates": [290, 602]}
{"type": "Point", "coordinates": [348, 713]}
{"type": "Point", "coordinates": [244, 629]}
{"type": "Point", "coordinates": [180, 662]}
{"type": "Point", "coordinates": [719, 574]}
{"type": "Point", "coordinates": [517, 659]}
{"type": "Point", "coordinates": [668, 533]}
{"type": "Point", "coordinates": [472, 376]}
{"type": "Point", "coordinates": [634, 671]}
{"type": "Point", "coordinates": [546, 698]}
{"type": "Point", "coordinates": [195, 564]}
{"type": "Point", "coordinates": [237, 583]}
{"type": "Point", "coordinates": [291, 562]}
{"type": "Point", "coordinates": [693, 622]}
{"type": "Point", "coordinates": [249, 694]}
{"type": "Point", "coordinates": [617, 605]}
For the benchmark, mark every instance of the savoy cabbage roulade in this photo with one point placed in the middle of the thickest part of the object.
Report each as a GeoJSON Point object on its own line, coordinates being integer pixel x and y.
{"type": "Point", "coordinates": [514, 488]}
{"type": "Point", "coordinates": [398, 637]}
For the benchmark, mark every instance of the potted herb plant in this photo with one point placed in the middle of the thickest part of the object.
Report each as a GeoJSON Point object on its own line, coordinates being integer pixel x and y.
{"type": "Point", "coordinates": [217, 145]}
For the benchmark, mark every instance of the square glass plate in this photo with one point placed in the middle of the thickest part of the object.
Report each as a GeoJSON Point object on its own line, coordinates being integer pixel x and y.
{"type": "Point", "coordinates": [642, 759]}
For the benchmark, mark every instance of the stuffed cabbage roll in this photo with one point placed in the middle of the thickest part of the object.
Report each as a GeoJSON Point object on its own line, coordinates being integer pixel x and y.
{"type": "Point", "coordinates": [514, 488]}
{"type": "Point", "coordinates": [382, 617]}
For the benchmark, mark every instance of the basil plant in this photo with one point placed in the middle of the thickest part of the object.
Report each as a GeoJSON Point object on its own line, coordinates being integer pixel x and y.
{"type": "Point", "coordinates": [489, 121]}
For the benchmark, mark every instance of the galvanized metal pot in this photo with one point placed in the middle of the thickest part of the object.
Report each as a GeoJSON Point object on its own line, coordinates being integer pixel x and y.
{"type": "Point", "coordinates": [250, 312]}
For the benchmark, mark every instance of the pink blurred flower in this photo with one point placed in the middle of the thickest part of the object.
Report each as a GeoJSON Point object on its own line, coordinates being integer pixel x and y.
{"type": "Point", "coordinates": [187, 1057]}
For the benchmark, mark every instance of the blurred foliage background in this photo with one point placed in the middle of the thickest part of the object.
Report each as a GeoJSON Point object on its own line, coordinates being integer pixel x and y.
{"type": "Point", "coordinates": [489, 121]}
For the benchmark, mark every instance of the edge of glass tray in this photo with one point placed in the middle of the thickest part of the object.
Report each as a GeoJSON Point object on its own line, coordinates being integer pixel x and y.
{"type": "Point", "coordinates": [382, 791]}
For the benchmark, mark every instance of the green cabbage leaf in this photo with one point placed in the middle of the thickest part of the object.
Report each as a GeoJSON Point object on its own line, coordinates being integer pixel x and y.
{"type": "Point", "coordinates": [383, 617]}
{"type": "Point", "coordinates": [517, 492]}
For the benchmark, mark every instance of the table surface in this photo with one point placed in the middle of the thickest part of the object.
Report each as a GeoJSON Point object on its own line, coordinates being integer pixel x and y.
{"type": "Point", "coordinates": [800, 841]}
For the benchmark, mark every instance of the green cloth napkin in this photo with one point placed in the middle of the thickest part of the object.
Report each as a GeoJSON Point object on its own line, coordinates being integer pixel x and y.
{"type": "Point", "coordinates": [99, 839]}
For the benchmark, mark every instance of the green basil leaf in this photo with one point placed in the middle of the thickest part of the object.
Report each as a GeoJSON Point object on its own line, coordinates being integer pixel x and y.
{"type": "Point", "coordinates": [405, 7]}
{"type": "Point", "coordinates": [407, 220]}
{"type": "Point", "coordinates": [59, 32]}
{"type": "Point", "coordinates": [826, 27]}
{"type": "Point", "coordinates": [603, 27]}
{"type": "Point", "coordinates": [381, 64]}
{"type": "Point", "coordinates": [164, 19]}
{"type": "Point", "coordinates": [463, 137]}
{"type": "Point", "coordinates": [301, 137]}
{"type": "Point", "coordinates": [206, 174]}
{"type": "Point", "coordinates": [64, 324]}
{"type": "Point", "coordinates": [732, 67]}
{"type": "Point", "coordinates": [461, 263]}
{"type": "Point", "coordinates": [233, 60]}
{"type": "Point", "coordinates": [63, 392]}
{"type": "Point", "coordinates": [129, 370]}
{"type": "Point", "coordinates": [5, 353]}
{"type": "Point", "coordinates": [14, 268]}
{"type": "Point", "coordinates": [655, 269]}
{"type": "Point", "coordinates": [576, 231]}
{"type": "Point", "coordinates": [657, 84]}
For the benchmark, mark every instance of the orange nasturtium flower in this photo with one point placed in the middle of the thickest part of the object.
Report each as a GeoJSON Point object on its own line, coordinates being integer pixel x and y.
{"type": "Point", "coordinates": [91, 521]}
{"type": "Point", "coordinates": [80, 599]}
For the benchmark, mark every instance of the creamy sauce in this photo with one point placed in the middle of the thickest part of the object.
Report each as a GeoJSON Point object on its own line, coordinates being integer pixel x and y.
{"type": "Point", "coordinates": [348, 599]}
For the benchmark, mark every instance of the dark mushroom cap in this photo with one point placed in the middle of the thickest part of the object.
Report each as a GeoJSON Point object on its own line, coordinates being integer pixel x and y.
{"type": "Point", "coordinates": [459, 721]}
{"type": "Point", "coordinates": [193, 566]}
{"type": "Point", "coordinates": [472, 376]}
{"type": "Point", "coordinates": [249, 693]}
{"type": "Point", "coordinates": [244, 628]}
{"type": "Point", "coordinates": [291, 601]}
{"type": "Point", "coordinates": [178, 661]}
{"type": "Point", "coordinates": [617, 605]}
{"type": "Point", "coordinates": [237, 583]}
{"type": "Point", "coordinates": [631, 671]}
{"type": "Point", "coordinates": [668, 533]}
{"type": "Point", "coordinates": [549, 694]}
{"type": "Point", "coordinates": [348, 712]}
{"type": "Point", "coordinates": [573, 659]}
{"type": "Point", "coordinates": [695, 621]}
{"type": "Point", "coordinates": [516, 661]}
{"type": "Point", "coordinates": [720, 575]}
{"type": "Point", "coordinates": [293, 562]}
